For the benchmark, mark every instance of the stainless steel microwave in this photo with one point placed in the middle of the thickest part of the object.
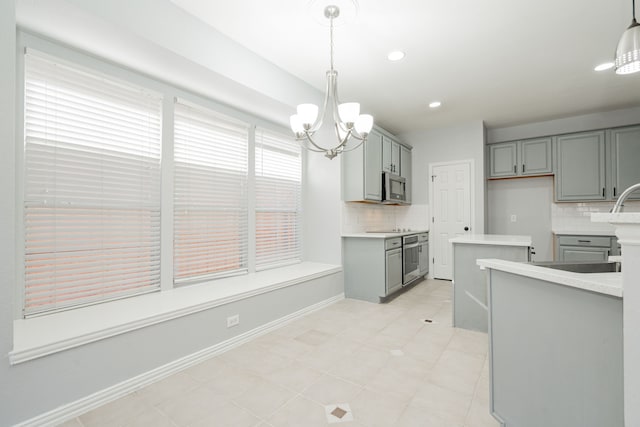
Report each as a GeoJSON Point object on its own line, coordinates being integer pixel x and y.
{"type": "Point", "coordinates": [394, 188]}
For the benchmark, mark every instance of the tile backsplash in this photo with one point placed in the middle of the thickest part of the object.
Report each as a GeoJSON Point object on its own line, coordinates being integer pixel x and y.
{"type": "Point", "coordinates": [577, 216]}
{"type": "Point", "coordinates": [363, 217]}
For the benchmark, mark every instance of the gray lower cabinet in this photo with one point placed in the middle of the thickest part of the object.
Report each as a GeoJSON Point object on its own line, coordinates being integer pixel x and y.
{"type": "Point", "coordinates": [555, 354]}
{"type": "Point", "coordinates": [585, 248]}
{"type": "Point", "coordinates": [625, 156]}
{"type": "Point", "coordinates": [372, 267]}
{"type": "Point", "coordinates": [393, 266]}
{"type": "Point", "coordinates": [362, 171]}
{"type": "Point", "coordinates": [469, 283]}
{"type": "Point", "coordinates": [580, 174]}
{"type": "Point", "coordinates": [423, 253]}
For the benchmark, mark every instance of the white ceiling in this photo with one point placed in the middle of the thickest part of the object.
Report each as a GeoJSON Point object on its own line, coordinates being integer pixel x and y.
{"type": "Point", "coordinates": [506, 62]}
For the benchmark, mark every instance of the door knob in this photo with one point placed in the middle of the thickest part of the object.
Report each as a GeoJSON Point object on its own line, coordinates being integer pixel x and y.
{"type": "Point", "coordinates": [466, 229]}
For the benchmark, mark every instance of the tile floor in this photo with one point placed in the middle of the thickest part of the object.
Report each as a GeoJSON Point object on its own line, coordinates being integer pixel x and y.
{"type": "Point", "coordinates": [350, 364]}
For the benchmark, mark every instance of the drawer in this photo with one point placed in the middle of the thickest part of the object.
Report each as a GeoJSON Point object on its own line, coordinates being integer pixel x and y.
{"type": "Point", "coordinates": [396, 242]}
{"type": "Point", "coordinates": [599, 241]}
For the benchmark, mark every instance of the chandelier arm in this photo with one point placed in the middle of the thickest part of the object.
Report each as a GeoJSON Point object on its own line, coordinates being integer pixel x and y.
{"type": "Point", "coordinates": [320, 118]}
{"type": "Point", "coordinates": [343, 141]}
{"type": "Point", "coordinates": [306, 146]}
{"type": "Point", "coordinates": [336, 101]}
{"type": "Point", "coordinates": [310, 139]}
{"type": "Point", "coordinates": [346, 150]}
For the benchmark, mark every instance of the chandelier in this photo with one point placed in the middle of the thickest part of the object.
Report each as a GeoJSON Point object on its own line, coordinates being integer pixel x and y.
{"type": "Point", "coordinates": [348, 122]}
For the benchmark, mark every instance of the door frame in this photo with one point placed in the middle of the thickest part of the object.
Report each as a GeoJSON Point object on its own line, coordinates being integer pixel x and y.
{"type": "Point", "coordinates": [472, 201]}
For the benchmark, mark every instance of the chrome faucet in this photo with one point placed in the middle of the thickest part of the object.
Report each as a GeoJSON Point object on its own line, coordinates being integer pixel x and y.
{"type": "Point", "coordinates": [620, 202]}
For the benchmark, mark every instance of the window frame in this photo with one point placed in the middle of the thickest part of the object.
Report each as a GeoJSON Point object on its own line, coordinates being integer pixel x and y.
{"type": "Point", "coordinates": [169, 93]}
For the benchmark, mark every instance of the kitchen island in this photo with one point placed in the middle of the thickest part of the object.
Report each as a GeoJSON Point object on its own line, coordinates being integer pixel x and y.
{"type": "Point", "coordinates": [469, 285]}
{"type": "Point", "coordinates": [555, 346]}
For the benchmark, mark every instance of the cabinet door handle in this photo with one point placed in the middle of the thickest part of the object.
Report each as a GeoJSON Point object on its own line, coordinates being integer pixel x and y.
{"type": "Point", "coordinates": [515, 169]}
{"type": "Point", "coordinates": [584, 241]}
{"type": "Point", "coordinates": [614, 191]}
{"type": "Point", "coordinates": [602, 191]}
{"type": "Point", "coordinates": [523, 168]}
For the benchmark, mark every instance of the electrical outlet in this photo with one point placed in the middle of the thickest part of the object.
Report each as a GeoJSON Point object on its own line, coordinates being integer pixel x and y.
{"type": "Point", "coordinates": [513, 218]}
{"type": "Point", "coordinates": [233, 320]}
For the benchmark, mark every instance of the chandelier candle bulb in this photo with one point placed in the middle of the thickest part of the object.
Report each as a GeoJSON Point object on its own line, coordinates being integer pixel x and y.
{"type": "Point", "coordinates": [349, 112]}
{"type": "Point", "coordinates": [364, 123]}
{"type": "Point", "coordinates": [308, 114]}
{"type": "Point", "coordinates": [296, 125]}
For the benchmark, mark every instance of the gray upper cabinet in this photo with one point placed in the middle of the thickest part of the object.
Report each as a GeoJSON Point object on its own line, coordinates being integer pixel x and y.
{"type": "Point", "coordinates": [405, 169]}
{"type": "Point", "coordinates": [530, 157]}
{"type": "Point", "coordinates": [535, 157]}
{"type": "Point", "coordinates": [503, 160]}
{"type": "Point", "coordinates": [390, 155]}
{"type": "Point", "coordinates": [580, 174]}
{"type": "Point", "coordinates": [625, 159]}
{"type": "Point", "coordinates": [361, 171]}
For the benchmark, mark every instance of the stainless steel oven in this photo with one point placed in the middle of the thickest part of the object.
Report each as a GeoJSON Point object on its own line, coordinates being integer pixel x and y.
{"type": "Point", "coordinates": [410, 258]}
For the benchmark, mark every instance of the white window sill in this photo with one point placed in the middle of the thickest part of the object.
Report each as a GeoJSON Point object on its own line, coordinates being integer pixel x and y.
{"type": "Point", "coordinates": [40, 336]}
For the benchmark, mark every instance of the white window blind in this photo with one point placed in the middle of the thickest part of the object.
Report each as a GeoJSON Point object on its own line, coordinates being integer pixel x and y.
{"type": "Point", "coordinates": [278, 200]}
{"type": "Point", "coordinates": [210, 194]}
{"type": "Point", "coordinates": [91, 187]}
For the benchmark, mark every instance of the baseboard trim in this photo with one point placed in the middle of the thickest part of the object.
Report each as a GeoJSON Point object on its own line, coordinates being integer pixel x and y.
{"type": "Point", "coordinates": [71, 410]}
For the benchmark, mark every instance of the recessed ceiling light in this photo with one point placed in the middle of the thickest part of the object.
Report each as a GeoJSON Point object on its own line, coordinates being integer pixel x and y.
{"type": "Point", "coordinates": [396, 55]}
{"type": "Point", "coordinates": [435, 104]}
{"type": "Point", "coordinates": [604, 66]}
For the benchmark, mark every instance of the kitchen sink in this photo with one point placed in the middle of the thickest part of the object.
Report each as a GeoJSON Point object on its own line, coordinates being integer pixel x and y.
{"type": "Point", "coordinates": [582, 267]}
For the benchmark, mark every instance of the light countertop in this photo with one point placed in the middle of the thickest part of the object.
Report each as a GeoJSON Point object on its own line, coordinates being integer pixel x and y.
{"type": "Point", "coordinates": [384, 234]}
{"type": "Point", "coordinates": [617, 218]}
{"type": "Point", "coordinates": [604, 283]}
{"type": "Point", "coordinates": [493, 239]}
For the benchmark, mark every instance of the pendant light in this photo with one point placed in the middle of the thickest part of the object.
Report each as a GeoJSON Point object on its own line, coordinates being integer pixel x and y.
{"type": "Point", "coordinates": [628, 50]}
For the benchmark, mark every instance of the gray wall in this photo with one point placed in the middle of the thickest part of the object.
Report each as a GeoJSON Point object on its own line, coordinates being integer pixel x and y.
{"type": "Point", "coordinates": [600, 120]}
{"type": "Point", "coordinates": [460, 142]}
{"type": "Point", "coordinates": [8, 386]}
{"type": "Point", "coordinates": [530, 201]}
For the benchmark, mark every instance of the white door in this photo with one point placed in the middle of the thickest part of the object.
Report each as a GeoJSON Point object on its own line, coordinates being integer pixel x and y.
{"type": "Point", "coordinates": [450, 211]}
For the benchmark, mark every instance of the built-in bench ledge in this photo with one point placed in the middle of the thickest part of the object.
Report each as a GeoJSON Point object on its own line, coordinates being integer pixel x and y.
{"type": "Point", "coordinates": [40, 336]}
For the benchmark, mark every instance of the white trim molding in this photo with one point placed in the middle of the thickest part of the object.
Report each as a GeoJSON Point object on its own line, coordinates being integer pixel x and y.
{"type": "Point", "coordinates": [40, 336]}
{"type": "Point", "coordinates": [95, 400]}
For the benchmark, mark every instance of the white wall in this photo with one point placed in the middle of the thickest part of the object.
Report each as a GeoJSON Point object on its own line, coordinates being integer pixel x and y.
{"type": "Point", "coordinates": [241, 80]}
{"type": "Point", "coordinates": [461, 142]}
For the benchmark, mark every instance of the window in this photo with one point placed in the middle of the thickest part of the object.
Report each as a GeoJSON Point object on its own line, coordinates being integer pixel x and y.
{"type": "Point", "coordinates": [210, 194]}
{"type": "Point", "coordinates": [93, 202]}
{"type": "Point", "coordinates": [91, 187]}
{"type": "Point", "coordinates": [278, 200]}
